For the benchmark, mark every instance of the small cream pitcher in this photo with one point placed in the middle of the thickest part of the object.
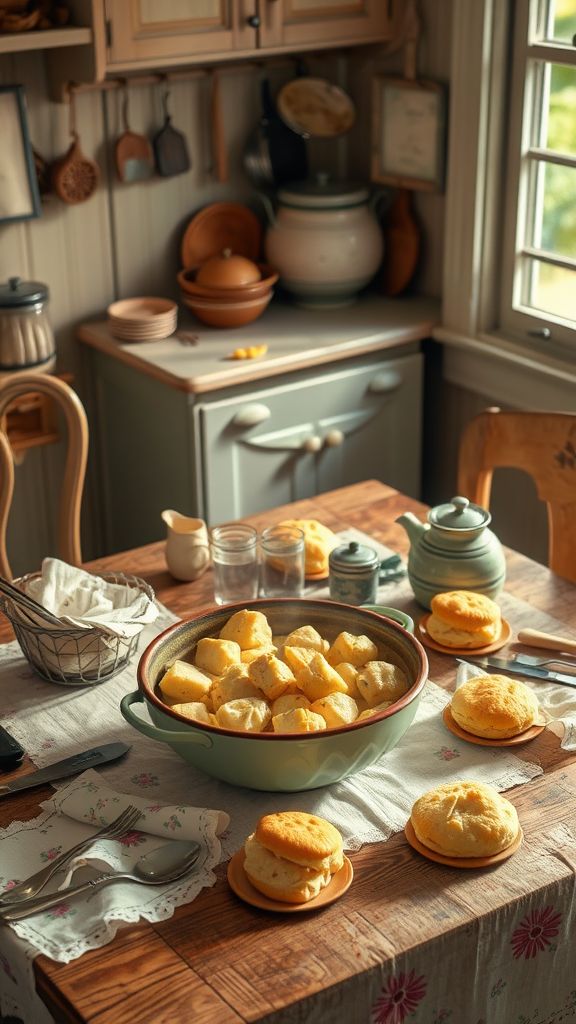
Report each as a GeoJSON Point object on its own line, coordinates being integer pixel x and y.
{"type": "Point", "coordinates": [187, 548]}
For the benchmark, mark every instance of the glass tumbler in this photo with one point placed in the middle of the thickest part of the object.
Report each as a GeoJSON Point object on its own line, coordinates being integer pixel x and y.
{"type": "Point", "coordinates": [235, 563]}
{"type": "Point", "coordinates": [282, 562]}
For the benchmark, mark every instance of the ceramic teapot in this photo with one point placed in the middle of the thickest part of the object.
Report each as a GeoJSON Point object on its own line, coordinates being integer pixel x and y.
{"type": "Point", "coordinates": [454, 550]}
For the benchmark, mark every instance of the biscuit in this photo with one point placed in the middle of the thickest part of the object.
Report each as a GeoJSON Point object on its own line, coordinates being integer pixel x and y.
{"type": "Point", "coordinates": [247, 628]}
{"type": "Point", "coordinates": [381, 681]}
{"type": "Point", "coordinates": [449, 636]}
{"type": "Point", "coordinates": [465, 609]}
{"type": "Point", "coordinates": [465, 819]}
{"type": "Point", "coordinates": [356, 650]}
{"type": "Point", "coordinates": [235, 683]}
{"type": "Point", "coordinates": [246, 714]}
{"type": "Point", "coordinates": [337, 709]}
{"type": "Point", "coordinates": [302, 838]}
{"type": "Point", "coordinates": [281, 879]}
{"type": "Point", "coordinates": [216, 655]}
{"type": "Point", "coordinates": [196, 711]}
{"type": "Point", "coordinates": [306, 636]}
{"type": "Point", "coordinates": [270, 675]}
{"type": "Point", "coordinates": [494, 706]}
{"type": "Point", "coordinates": [298, 720]}
{"type": "Point", "coordinates": [319, 541]}
{"type": "Point", "coordinates": [182, 683]}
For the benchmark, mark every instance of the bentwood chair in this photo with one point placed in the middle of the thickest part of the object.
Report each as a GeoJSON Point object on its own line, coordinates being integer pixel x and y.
{"type": "Point", "coordinates": [17, 386]}
{"type": "Point", "coordinates": [543, 444]}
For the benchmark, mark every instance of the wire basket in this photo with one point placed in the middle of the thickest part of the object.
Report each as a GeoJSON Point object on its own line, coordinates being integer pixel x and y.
{"type": "Point", "coordinates": [72, 656]}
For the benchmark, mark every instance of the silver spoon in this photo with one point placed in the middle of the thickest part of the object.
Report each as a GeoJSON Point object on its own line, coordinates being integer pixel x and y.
{"type": "Point", "coordinates": [158, 867]}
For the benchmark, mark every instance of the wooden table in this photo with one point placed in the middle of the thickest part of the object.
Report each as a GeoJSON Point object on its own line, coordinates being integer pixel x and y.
{"type": "Point", "coordinates": [220, 960]}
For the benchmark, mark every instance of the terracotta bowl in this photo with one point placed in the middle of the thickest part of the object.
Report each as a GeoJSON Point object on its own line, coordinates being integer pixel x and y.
{"type": "Point", "coordinates": [241, 293]}
{"type": "Point", "coordinates": [216, 313]}
{"type": "Point", "coordinates": [278, 761]}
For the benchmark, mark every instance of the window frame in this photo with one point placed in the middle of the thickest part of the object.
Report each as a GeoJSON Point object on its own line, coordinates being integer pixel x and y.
{"type": "Point", "coordinates": [477, 207]}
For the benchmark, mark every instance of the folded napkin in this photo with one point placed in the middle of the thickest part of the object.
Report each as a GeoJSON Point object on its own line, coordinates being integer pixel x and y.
{"type": "Point", "coordinates": [81, 599]}
{"type": "Point", "coordinates": [557, 701]}
{"type": "Point", "coordinates": [76, 812]}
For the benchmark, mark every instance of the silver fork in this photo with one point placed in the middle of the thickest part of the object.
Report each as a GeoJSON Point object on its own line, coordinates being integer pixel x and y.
{"type": "Point", "coordinates": [531, 659]}
{"type": "Point", "coordinates": [31, 886]}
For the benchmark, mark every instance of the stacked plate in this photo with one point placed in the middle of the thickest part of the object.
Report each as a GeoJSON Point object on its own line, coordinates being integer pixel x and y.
{"type": "Point", "coordinates": [142, 319]}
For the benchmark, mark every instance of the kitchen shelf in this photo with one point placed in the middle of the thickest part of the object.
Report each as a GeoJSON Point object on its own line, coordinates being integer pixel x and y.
{"type": "Point", "coordinates": [50, 39]}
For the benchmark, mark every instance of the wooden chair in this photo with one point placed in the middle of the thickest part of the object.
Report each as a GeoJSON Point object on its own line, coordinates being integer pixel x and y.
{"type": "Point", "coordinates": [543, 444]}
{"type": "Point", "coordinates": [14, 387]}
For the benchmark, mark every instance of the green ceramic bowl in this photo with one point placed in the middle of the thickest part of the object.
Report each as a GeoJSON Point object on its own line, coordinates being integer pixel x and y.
{"type": "Point", "coordinates": [270, 761]}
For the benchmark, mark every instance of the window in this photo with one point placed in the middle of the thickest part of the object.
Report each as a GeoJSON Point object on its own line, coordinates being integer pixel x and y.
{"type": "Point", "coordinates": [538, 293]}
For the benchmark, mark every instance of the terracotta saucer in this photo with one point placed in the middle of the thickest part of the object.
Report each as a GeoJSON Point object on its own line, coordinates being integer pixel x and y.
{"type": "Point", "coordinates": [460, 862]}
{"type": "Point", "coordinates": [484, 741]}
{"type": "Point", "coordinates": [424, 636]}
{"type": "Point", "coordinates": [221, 226]}
{"type": "Point", "coordinates": [239, 883]}
{"type": "Point", "coordinates": [316, 577]}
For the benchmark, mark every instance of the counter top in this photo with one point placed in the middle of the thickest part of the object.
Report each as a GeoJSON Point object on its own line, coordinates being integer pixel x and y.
{"type": "Point", "coordinates": [197, 358]}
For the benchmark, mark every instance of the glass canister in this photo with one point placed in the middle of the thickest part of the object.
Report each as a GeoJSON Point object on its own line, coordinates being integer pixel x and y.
{"type": "Point", "coordinates": [354, 571]}
{"type": "Point", "coordinates": [26, 338]}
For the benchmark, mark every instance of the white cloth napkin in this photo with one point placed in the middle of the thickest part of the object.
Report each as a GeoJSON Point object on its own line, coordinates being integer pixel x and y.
{"type": "Point", "coordinates": [557, 700]}
{"type": "Point", "coordinates": [81, 599]}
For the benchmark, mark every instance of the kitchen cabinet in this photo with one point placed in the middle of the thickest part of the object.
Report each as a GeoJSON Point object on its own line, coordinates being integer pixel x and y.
{"type": "Point", "coordinates": [338, 399]}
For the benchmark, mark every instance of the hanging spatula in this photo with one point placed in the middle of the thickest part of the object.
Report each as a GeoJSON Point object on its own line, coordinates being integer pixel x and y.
{"type": "Point", "coordinates": [133, 153]}
{"type": "Point", "coordinates": [170, 147]}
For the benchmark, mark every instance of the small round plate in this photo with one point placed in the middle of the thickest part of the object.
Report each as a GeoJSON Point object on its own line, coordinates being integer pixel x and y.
{"type": "Point", "coordinates": [221, 226]}
{"type": "Point", "coordinates": [315, 108]}
{"type": "Point", "coordinates": [424, 636]}
{"type": "Point", "coordinates": [239, 883]}
{"type": "Point", "coordinates": [484, 741]}
{"type": "Point", "coordinates": [460, 862]}
{"type": "Point", "coordinates": [316, 577]}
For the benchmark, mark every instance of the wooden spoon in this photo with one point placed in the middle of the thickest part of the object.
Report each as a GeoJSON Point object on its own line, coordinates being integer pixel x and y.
{"type": "Point", "coordinates": [75, 176]}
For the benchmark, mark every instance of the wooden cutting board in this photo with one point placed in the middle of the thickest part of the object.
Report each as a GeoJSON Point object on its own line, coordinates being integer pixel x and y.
{"type": "Point", "coordinates": [401, 244]}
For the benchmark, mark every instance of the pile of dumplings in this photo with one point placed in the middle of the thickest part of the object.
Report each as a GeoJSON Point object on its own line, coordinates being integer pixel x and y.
{"type": "Point", "coordinates": [250, 681]}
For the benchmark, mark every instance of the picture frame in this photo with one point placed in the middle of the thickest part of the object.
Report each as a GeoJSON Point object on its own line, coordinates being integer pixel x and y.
{"type": "Point", "coordinates": [408, 133]}
{"type": "Point", "coordinates": [19, 192]}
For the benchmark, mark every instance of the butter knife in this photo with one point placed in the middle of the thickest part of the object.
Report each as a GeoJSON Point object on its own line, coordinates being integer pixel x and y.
{"type": "Point", "coordinates": [92, 758]}
{"type": "Point", "coordinates": [522, 670]}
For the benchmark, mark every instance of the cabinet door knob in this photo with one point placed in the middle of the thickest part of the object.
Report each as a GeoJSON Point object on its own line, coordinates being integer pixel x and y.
{"type": "Point", "coordinates": [254, 21]}
{"type": "Point", "coordinates": [312, 444]}
{"type": "Point", "coordinates": [252, 415]}
{"type": "Point", "coordinates": [387, 380]}
{"type": "Point", "coordinates": [334, 438]}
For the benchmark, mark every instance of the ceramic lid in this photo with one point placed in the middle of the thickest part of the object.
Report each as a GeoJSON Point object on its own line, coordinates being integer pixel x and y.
{"type": "Point", "coordinates": [353, 557]}
{"type": "Point", "coordinates": [324, 194]}
{"type": "Point", "coordinates": [16, 292]}
{"type": "Point", "coordinates": [459, 514]}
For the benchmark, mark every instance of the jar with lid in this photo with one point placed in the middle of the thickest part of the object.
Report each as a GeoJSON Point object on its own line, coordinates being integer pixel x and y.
{"type": "Point", "coordinates": [354, 571]}
{"type": "Point", "coordinates": [325, 240]}
{"type": "Point", "coordinates": [26, 338]}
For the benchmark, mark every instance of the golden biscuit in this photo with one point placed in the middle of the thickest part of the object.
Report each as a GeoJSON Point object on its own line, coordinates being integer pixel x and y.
{"type": "Point", "coordinates": [319, 541]}
{"type": "Point", "coordinates": [302, 838]}
{"type": "Point", "coordinates": [465, 609]}
{"type": "Point", "coordinates": [494, 706]}
{"type": "Point", "coordinates": [281, 879]}
{"type": "Point", "coordinates": [465, 819]}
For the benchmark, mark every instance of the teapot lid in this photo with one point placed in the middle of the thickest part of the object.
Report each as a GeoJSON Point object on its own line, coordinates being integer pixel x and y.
{"type": "Point", "coordinates": [459, 514]}
{"type": "Point", "coordinates": [17, 292]}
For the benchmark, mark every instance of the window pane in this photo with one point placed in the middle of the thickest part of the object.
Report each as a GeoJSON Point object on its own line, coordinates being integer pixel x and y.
{"type": "Point", "coordinates": [562, 20]}
{"type": "Point", "coordinates": [552, 289]}
{"type": "Point", "coordinates": [561, 121]}
{"type": "Point", "coordinates": [554, 211]}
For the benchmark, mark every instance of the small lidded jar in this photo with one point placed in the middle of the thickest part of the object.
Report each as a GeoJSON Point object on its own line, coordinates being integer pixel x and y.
{"type": "Point", "coordinates": [354, 569]}
{"type": "Point", "coordinates": [26, 338]}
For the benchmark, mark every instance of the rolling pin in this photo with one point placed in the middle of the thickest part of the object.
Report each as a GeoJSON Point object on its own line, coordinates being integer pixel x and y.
{"type": "Point", "coordinates": [534, 638]}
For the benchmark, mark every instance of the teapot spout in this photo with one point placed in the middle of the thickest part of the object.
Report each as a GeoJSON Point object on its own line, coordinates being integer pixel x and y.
{"type": "Point", "coordinates": [414, 528]}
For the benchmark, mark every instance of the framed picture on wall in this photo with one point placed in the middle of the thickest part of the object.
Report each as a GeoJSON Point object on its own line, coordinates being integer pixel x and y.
{"type": "Point", "coordinates": [19, 194]}
{"type": "Point", "coordinates": [408, 133]}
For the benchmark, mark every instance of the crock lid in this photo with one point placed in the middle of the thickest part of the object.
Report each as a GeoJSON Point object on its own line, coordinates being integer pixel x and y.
{"type": "Point", "coordinates": [322, 194]}
{"type": "Point", "coordinates": [16, 292]}
{"type": "Point", "coordinates": [459, 514]}
{"type": "Point", "coordinates": [353, 556]}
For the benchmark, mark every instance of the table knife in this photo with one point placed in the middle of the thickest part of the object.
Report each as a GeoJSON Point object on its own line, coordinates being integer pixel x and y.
{"type": "Point", "coordinates": [522, 670]}
{"type": "Point", "coordinates": [69, 766]}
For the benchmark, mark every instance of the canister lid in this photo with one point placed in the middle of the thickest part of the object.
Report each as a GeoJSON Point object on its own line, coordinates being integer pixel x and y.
{"type": "Point", "coordinates": [324, 194]}
{"type": "Point", "coordinates": [353, 557]}
{"type": "Point", "coordinates": [16, 292]}
{"type": "Point", "coordinates": [459, 514]}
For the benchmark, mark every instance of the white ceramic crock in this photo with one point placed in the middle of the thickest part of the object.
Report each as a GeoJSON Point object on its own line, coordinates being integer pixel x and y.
{"type": "Point", "coordinates": [325, 241]}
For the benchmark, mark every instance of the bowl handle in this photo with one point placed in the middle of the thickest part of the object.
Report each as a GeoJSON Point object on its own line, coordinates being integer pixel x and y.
{"type": "Point", "coordinates": [402, 618]}
{"type": "Point", "coordinates": [152, 731]}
